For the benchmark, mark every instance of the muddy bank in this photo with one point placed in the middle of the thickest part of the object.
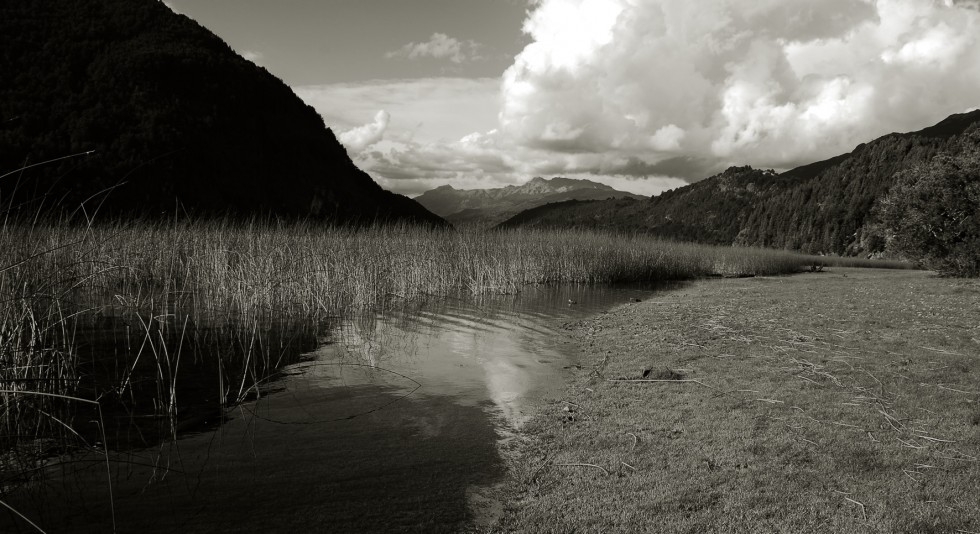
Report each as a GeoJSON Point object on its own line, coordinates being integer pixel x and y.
{"type": "Point", "coordinates": [827, 402]}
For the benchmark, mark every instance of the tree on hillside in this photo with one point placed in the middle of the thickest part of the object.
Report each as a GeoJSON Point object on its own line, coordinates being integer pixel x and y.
{"type": "Point", "coordinates": [932, 213]}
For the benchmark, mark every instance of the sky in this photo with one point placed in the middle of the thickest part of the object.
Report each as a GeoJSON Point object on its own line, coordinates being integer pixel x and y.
{"type": "Point", "coordinates": [643, 95]}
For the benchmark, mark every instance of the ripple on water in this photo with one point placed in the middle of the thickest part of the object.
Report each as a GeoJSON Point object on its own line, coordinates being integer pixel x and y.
{"type": "Point", "coordinates": [394, 425]}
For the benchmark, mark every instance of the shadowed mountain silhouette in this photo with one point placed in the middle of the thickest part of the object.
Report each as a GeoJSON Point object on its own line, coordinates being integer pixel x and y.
{"type": "Point", "coordinates": [825, 206]}
{"type": "Point", "coordinates": [175, 119]}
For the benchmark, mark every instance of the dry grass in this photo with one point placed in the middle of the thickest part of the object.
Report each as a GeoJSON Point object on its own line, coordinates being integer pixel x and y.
{"type": "Point", "coordinates": [259, 288]}
{"type": "Point", "coordinates": [333, 271]}
{"type": "Point", "coordinates": [844, 401]}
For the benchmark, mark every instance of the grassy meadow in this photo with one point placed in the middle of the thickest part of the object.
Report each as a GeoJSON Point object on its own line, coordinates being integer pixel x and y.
{"type": "Point", "coordinates": [260, 291]}
{"type": "Point", "coordinates": [841, 401]}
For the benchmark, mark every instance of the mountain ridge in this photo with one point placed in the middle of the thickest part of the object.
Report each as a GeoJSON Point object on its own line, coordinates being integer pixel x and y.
{"type": "Point", "coordinates": [176, 119]}
{"type": "Point", "coordinates": [822, 207]}
{"type": "Point", "coordinates": [491, 206]}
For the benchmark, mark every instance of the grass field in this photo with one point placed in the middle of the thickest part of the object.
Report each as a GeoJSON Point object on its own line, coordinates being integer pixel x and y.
{"type": "Point", "coordinates": [841, 401]}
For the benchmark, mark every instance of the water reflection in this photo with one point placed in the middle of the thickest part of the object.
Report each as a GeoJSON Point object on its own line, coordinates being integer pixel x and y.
{"type": "Point", "coordinates": [157, 376]}
{"type": "Point", "coordinates": [386, 426]}
{"type": "Point", "coordinates": [501, 349]}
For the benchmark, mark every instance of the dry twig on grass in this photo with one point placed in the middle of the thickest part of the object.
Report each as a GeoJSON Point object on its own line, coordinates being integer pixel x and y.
{"type": "Point", "coordinates": [814, 382]}
{"type": "Point", "coordinates": [941, 386]}
{"type": "Point", "coordinates": [864, 512]}
{"type": "Point", "coordinates": [930, 438]}
{"type": "Point", "coordinates": [678, 381]}
{"type": "Point", "coordinates": [603, 469]}
{"type": "Point", "coordinates": [941, 351]}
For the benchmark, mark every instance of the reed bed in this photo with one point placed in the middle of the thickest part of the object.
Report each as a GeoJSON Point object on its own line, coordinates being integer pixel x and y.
{"type": "Point", "coordinates": [250, 281]}
{"type": "Point", "coordinates": [309, 269]}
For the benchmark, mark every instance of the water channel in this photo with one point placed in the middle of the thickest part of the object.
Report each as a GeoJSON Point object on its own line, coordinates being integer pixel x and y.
{"type": "Point", "coordinates": [393, 423]}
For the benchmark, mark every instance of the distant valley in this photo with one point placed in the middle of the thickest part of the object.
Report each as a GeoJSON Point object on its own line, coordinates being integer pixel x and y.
{"type": "Point", "coordinates": [488, 207]}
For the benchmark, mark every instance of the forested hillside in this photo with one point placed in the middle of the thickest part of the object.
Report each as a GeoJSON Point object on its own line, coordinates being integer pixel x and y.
{"type": "Point", "coordinates": [175, 120]}
{"type": "Point", "coordinates": [822, 207]}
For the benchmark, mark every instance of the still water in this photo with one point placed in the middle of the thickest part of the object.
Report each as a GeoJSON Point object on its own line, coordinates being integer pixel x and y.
{"type": "Point", "coordinates": [392, 424]}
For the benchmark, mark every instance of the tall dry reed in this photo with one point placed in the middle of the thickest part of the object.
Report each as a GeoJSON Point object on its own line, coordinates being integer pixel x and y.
{"type": "Point", "coordinates": [247, 267]}
{"type": "Point", "coordinates": [237, 277]}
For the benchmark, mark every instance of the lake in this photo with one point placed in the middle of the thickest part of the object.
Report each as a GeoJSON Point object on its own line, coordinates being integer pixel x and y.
{"type": "Point", "coordinates": [387, 422]}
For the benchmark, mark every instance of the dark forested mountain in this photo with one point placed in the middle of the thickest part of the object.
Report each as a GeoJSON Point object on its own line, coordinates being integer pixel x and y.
{"type": "Point", "coordinates": [822, 207]}
{"type": "Point", "coordinates": [175, 118]}
{"type": "Point", "coordinates": [491, 206]}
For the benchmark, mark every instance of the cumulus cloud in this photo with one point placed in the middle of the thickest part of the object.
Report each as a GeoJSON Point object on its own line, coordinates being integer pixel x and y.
{"type": "Point", "coordinates": [428, 142]}
{"type": "Point", "coordinates": [359, 138]}
{"type": "Point", "coordinates": [646, 95]}
{"type": "Point", "coordinates": [439, 109]}
{"type": "Point", "coordinates": [767, 82]}
{"type": "Point", "coordinates": [487, 160]}
{"type": "Point", "coordinates": [439, 46]}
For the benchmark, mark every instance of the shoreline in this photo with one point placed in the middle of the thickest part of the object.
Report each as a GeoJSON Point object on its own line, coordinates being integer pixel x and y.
{"type": "Point", "coordinates": [838, 401]}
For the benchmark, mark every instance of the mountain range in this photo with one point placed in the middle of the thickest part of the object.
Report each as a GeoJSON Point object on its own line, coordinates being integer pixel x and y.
{"type": "Point", "coordinates": [487, 207]}
{"type": "Point", "coordinates": [823, 207]}
{"type": "Point", "coordinates": [168, 119]}
{"type": "Point", "coordinates": [123, 107]}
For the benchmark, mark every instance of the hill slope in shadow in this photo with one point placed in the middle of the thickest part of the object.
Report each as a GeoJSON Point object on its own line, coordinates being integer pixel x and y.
{"type": "Point", "coordinates": [176, 120]}
{"type": "Point", "coordinates": [823, 207]}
